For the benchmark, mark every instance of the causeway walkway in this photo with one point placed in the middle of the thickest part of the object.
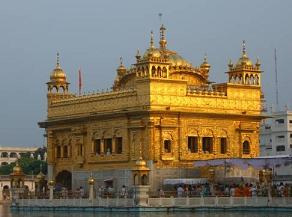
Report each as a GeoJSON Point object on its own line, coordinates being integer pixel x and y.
{"type": "Point", "coordinates": [156, 204]}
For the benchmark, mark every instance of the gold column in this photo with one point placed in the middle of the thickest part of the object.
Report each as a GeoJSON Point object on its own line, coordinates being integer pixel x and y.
{"type": "Point", "coordinates": [102, 146]}
{"type": "Point", "coordinates": [69, 150]}
{"type": "Point", "coordinates": [62, 151]}
{"type": "Point", "coordinates": [51, 149]}
{"type": "Point", "coordinates": [200, 148]}
{"type": "Point", "coordinates": [114, 145]}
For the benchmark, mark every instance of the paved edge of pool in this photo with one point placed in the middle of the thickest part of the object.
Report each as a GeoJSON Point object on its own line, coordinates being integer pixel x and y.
{"type": "Point", "coordinates": [148, 209]}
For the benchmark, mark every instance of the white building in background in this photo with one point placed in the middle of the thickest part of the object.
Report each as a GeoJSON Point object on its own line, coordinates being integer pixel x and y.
{"type": "Point", "coordinates": [276, 134]}
{"type": "Point", "coordinates": [10, 154]}
{"type": "Point", "coordinates": [276, 140]}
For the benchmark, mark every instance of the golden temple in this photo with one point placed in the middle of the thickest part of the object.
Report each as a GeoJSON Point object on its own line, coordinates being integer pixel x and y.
{"type": "Point", "coordinates": [162, 108]}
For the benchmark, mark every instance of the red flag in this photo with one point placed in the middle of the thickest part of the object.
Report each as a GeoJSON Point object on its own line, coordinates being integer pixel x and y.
{"type": "Point", "coordinates": [80, 81]}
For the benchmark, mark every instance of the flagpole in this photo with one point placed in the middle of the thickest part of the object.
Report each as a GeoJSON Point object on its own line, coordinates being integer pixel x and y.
{"type": "Point", "coordinates": [79, 81]}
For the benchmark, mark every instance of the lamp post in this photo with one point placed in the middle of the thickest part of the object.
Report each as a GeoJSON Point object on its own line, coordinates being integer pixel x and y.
{"type": "Point", "coordinates": [91, 182]}
{"type": "Point", "coordinates": [141, 186]}
{"type": "Point", "coordinates": [51, 188]}
{"type": "Point", "coordinates": [211, 179]}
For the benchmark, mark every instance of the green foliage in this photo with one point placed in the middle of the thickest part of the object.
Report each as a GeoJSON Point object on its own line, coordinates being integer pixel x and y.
{"type": "Point", "coordinates": [30, 166]}
{"type": "Point", "coordinates": [6, 169]}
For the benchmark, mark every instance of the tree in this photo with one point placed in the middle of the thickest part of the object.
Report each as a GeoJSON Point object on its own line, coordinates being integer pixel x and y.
{"type": "Point", "coordinates": [30, 166]}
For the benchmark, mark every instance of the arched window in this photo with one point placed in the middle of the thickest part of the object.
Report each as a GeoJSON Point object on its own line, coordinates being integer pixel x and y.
{"type": "Point", "coordinates": [159, 72]}
{"type": "Point", "coordinates": [240, 79]}
{"type": "Point", "coordinates": [167, 146]}
{"type": "Point", "coordinates": [246, 79]}
{"type": "Point", "coordinates": [153, 71]}
{"type": "Point", "coordinates": [223, 145]}
{"type": "Point", "coordinates": [207, 145]}
{"type": "Point", "coordinates": [58, 151]}
{"type": "Point", "coordinates": [119, 145]}
{"type": "Point", "coordinates": [65, 151]}
{"type": "Point", "coordinates": [164, 72]}
{"type": "Point", "coordinates": [13, 155]}
{"type": "Point", "coordinates": [193, 144]}
{"type": "Point", "coordinates": [55, 89]}
{"type": "Point", "coordinates": [97, 146]}
{"type": "Point", "coordinates": [80, 150]}
{"type": "Point", "coordinates": [4, 154]}
{"type": "Point", "coordinates": [256, 80]}
{"type": "Point", "coordinates": [146, 72]}
{"type": "Point", "coordinates": [246, 147]}
{"type": "Point", "coordinates": [108, 146]}
{"type": "Point", "coordinates": [144, 180]}
{"type": "Point", "coordinates": [136, 179]}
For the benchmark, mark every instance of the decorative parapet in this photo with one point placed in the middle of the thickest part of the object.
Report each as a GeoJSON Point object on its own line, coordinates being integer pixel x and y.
{"type": "Point", "coordinates": [210, 90]}
{"type": "Point", "coordinates": [96, 96]}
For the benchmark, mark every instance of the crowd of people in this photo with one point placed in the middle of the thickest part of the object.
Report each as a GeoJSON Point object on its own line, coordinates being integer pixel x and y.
{"type": "Point", "coordinates": [234, 190]}
{"type": "Point", "coordinates": [182, 190]}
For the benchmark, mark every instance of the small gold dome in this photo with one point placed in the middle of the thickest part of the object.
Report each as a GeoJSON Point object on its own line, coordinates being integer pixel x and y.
{"type": "Point", "coordinates": [40, 175]}
{"type": "Point", "coordinates": [58, 74]}
{"type": "Point", "coordinates": [17, 170]}
{"type": "Point", "coordinates": [205, 63]}
{"type": "Point", "coordinates": [177, 60]}
{"type": "Point", "coordinates": [152, 52]}
{"type": "Point", "coordinates": [51, 183]}
{"type": "Point", "coordinates": [140, 162]}
{"type": "Point", "coordinates": [244, 60]}
{"type": "Point", "coordinates": [90, 180]}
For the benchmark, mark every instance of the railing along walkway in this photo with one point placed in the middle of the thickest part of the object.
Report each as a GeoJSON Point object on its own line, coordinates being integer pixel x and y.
{"type": "Point", "coordinates": [184, 202]}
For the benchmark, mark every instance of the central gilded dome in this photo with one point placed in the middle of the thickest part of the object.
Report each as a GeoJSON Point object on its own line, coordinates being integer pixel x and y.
{"type": "Point", "coordinates": [177, 60]}
{"type": "Point", "coordinates": [173, 58]}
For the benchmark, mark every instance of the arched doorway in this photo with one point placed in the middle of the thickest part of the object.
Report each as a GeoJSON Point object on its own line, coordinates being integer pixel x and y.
{"type": "Point", "coordinates": [5, 192]}
{"type": "Point", "coordinates": [64, 178]}
{"type": "Point", "coordinates": [246, 147]}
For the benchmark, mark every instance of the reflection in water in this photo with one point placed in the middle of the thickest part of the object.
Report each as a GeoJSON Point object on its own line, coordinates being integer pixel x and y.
{"type": "Point", "coordinates": [5, 212]}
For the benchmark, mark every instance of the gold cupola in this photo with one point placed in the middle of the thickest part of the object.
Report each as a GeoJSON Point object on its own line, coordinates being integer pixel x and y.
{"type": "Point", "coordinates": [17, 170]}
{"type": "Point", "coordinates": [205, 66]}
{"type": "Point", "coordinates": [58, 81]}
{"type": "Point", "coordinates": [162, 41]}
{"type": "Point", "coordinates": [244, 59]}
{"type": "Point", "coordinates": [244, 72]}
{"type": "Point", "coordinates": [121, 70]}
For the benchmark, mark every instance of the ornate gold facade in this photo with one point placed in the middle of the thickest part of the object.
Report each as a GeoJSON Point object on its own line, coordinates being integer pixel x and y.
{"type": "Point", "coordinates": [162, 107]}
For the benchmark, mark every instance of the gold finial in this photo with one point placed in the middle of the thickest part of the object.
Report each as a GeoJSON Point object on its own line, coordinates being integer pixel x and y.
{"type": "Point", "coordinates": [58, 60]}
{"type": "Point", "coordinates": [230, 64]}
{"type": "Point", "coordinates": [162, 41]}
{"type": "Point", "coordinates": [121, 60]}
{"type": "Point", "coordinates": [151, 40]}
{"type": "Point", "coordinates": [243, 48]}
{"type": "Point", "coordinates": [138, 56]}
{"type": "Point", "coordinates": [205, 58]}
{"type": "Point", "coordinates": [258, 62]}
{"type": "Point", "coordinates": [140, 152]}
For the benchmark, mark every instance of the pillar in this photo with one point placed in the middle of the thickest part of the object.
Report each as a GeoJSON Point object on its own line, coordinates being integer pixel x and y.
{"type": "Point", "coordinates": [51, 188]}
{"type": "Point", "coordinates": [91, 187]}
{"type": "Point", "coordinates": [1, 193]}
{"type": "Point", "coordinates": [50, 172]}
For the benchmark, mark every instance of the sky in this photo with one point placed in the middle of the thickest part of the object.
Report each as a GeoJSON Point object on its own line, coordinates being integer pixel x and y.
{"type": "Point", "coordinates": [94, 34]}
